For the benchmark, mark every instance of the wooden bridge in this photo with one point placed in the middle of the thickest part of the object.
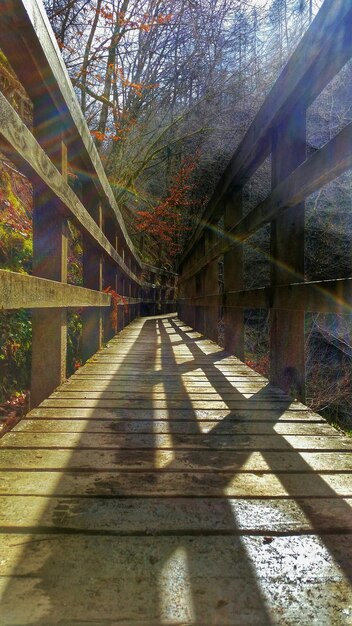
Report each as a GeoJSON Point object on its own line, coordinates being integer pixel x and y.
{"type": "Point", "coordinates": [166, 482]}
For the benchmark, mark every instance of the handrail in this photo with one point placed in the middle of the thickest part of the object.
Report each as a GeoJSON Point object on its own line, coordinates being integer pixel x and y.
{"type": "Point", "coordinates": [43, 151]}
{"type": "Point", "coordinates": [323, 51]}
{"type": "Point", "coordinates": [278, 129]}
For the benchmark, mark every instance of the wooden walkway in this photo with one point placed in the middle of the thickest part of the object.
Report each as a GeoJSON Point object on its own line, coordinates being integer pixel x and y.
{"type": "Point", "coordinates": [167, 483]}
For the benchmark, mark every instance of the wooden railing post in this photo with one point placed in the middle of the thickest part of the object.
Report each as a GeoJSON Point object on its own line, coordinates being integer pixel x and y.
{"type": "Point", "coordinates": [287, 360]}
{"type": "Point", "coordinates": [198, 284]}
{"type": "Point", "coordinates": [192, 310]}
{"type": "Point", "coordinates": [126, 291]}
{"type": "Point", "coordinates": [187, 291]}
{"type": "Point", "coordinates": [181, 303]}
{"type": "Point", "coordinates": [199, 309]}
{"type": "Point", "coordinates": [109, 274]}
{"type": "Point", "coordinates": [211, 287]}
{"type": "Point", "coordinates": [108, 281]}
{"type": "Point", "coordinates": [138, 291]}
{"type": "Point", "coordinates": [134, 289]}
{"type": "Point", "coordinates": [120, 284]}
{"type": "Point", "coordinates": [233, 281]}
{"type": "Point", "coordinates": [129, 294]}
{"type": "Point", "coordinates": [49, 327]}
{"type": "Point", "coordinates": [92, 317]}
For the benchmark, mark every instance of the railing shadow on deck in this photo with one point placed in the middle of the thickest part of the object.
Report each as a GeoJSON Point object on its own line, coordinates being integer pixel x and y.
{"type": "Point", "coordinates": [160, 556]}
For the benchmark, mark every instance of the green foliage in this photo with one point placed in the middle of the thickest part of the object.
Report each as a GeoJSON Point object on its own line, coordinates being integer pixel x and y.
{"type": "Point", "coordinates": [74, 330]}
{"type": "Point", "coordinates": [75, 254]}
{"type": "Point", "coordinates": [15, 255]}
{"type": "Point", "coordinates": [15, 352]}
{"type": "Point", "coordinates": [15, 221]}
{"type": "Point", "coordinates": [15, 250]}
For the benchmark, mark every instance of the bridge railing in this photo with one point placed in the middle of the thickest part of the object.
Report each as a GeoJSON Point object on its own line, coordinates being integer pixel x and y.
{"type": "Point", "coordinates": [279, 130]}
{"type": "Point", "coordinates": [58, 138]}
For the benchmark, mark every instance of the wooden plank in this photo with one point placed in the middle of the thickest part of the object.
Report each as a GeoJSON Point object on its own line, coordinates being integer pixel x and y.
{"type": "Point", "coordinates": [213, 440]}
{"type": "Point", "coordinates": [24, 291]}
{"type": "Point", "coordinates": [218, 391]}
{"type": "Point", "coordinates": [196, 371]}
{"type": "Point", "coordinates": [70, 461]}
{"type": "Point", "coordinates": [185, 427]}
{"type": "Point", "coordinates": [168, 484]}
{"type": "Point", "coordinates": [105, 403]}
{"type": "Point", "coordinates": [26, 152]}
{"type": "Point", "coordinates": [80, 383]}
{"type": "Point", "coordinates": [325, 296]}
{"type": "Point", "coordinates": [222, 575]}
{"type": "Point", "coordinates": [322, 52]}
{"type": "Point", "coordinates": [186, 516]}
{"type": "Point", "coordinates": [253, 414]}
{"type": "Point", "coordinates": [129, 573]}
{"type": "Point", "coordinates": [177, 394]}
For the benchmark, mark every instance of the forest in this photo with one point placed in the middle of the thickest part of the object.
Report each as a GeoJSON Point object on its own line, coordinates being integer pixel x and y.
{"type": "Point", "coordinates": [168, 90]}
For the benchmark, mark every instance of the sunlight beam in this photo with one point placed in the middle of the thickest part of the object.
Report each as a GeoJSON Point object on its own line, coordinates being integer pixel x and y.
{"type": "Point", "coordinates": [176, 602]}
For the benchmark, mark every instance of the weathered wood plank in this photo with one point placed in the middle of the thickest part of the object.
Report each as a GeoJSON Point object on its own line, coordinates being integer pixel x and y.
{"type": "Point", "coordinates": [185, 427]}
{"type": "Point", "coordinates": [105, 403]}
{"type": "Point", "coordinates": [182, 395]}
{"type": "Point", "coordinates": [325, 296]}
{"type": "Point", "coordinates": [281, 461]}
{"type": "Point", "coordinates": [24, 291]}
{"type": "Point", "coordinates": [253, 414]}
{"type": "Point", "coordinates": [152, 571]}
{"type": "Point", "coordinates": [213, 440]}
{"type": "Point", "coordinates": [168, 484]}
{"type": "Point", "coordinates": [179, 516]}
{"type": "Point", "coordinates": [184, 386]}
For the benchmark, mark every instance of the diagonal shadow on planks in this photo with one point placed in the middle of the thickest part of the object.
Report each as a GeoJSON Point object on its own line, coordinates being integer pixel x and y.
{"type": "Point", "coordinates": [167, 483]}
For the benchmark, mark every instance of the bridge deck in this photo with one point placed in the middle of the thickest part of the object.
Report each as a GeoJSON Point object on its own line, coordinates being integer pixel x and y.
{"type": "Point", "coordinates": [167, 483]}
